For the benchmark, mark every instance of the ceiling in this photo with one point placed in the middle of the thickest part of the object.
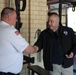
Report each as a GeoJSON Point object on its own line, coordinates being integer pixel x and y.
{"type": "Point", "coordinates": [54, 4]}
{"type": "Point", "coordinates": [58, 1]}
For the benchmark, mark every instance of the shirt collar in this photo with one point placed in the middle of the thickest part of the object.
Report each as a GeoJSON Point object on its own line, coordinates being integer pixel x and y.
{"type": "Point", "coordinates": [3, 23]}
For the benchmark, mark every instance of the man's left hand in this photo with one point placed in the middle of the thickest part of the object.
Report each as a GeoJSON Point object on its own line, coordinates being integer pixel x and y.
{"type": "Point", "coordinates": [70, 55]}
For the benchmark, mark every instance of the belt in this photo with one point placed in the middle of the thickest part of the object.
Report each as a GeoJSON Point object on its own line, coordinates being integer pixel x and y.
{"type": "Point", "coordinates": [3, 73]}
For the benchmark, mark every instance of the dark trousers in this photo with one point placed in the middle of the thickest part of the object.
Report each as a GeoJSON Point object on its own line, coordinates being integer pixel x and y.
{"type": "Point", "coordinates": [2, 73]}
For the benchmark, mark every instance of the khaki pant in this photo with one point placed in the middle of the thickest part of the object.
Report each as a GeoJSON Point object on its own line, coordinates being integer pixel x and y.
{"type": "Point", "coordinates": [59, 70]}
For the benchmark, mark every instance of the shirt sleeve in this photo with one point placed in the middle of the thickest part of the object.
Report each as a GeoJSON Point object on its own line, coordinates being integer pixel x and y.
{"type": "Point", "coordinates": [39, 42]}
{"type": "Point", "coordinates": [17, 41]}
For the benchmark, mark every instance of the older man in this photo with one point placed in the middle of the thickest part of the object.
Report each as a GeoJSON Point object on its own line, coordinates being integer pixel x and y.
{"type": "Point", "coordinates": [12, 44]}
{"type": "Point", "coordinates": [59, 46]}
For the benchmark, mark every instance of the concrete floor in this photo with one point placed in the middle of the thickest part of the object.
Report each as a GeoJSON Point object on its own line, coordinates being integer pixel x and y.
{"type": "Point", "coordinates": [25, 70]}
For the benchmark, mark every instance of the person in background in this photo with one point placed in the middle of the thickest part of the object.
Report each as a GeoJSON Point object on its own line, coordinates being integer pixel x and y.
{"type": "Point", "coordinates": [59, 46]}
{"type": "Point", "coordinates": [12, 44]}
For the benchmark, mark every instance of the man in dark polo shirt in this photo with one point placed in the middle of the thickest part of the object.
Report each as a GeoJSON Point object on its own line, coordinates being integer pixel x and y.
{"type": "Point", "coordinates": [59, 47]}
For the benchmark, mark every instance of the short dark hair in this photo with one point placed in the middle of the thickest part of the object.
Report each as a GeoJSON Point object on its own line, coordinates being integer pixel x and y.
{"type": "Point", "coordinates": [52, 13]}
{"type": "Point", "coordinates": [6, 11]}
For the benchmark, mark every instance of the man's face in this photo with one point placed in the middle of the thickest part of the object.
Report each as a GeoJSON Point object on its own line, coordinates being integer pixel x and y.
{"type": "Point", "coordinates": [53, 22]}
{"type": "Point", "coordinates": [13, 18]}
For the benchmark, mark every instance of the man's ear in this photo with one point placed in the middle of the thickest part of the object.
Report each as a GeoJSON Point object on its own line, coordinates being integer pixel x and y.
{"type": "Point", "coordinates": [9, 17]}
{"type": "Point", "coordinates": [47, 24]}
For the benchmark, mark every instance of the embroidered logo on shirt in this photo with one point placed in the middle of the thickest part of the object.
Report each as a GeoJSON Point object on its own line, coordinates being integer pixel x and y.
{"type": "Point", "coordinates": [17, 32]}
{"type": "Point", "coordinates": [65, 32]}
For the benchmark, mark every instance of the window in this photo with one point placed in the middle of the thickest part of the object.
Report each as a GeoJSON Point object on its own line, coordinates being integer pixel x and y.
{"type": "Point", "coordinates": [71, 18]}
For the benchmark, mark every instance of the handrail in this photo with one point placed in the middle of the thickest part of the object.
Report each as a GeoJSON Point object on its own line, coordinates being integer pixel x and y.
{"type": "Point", "coordinates": [38, 70]}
